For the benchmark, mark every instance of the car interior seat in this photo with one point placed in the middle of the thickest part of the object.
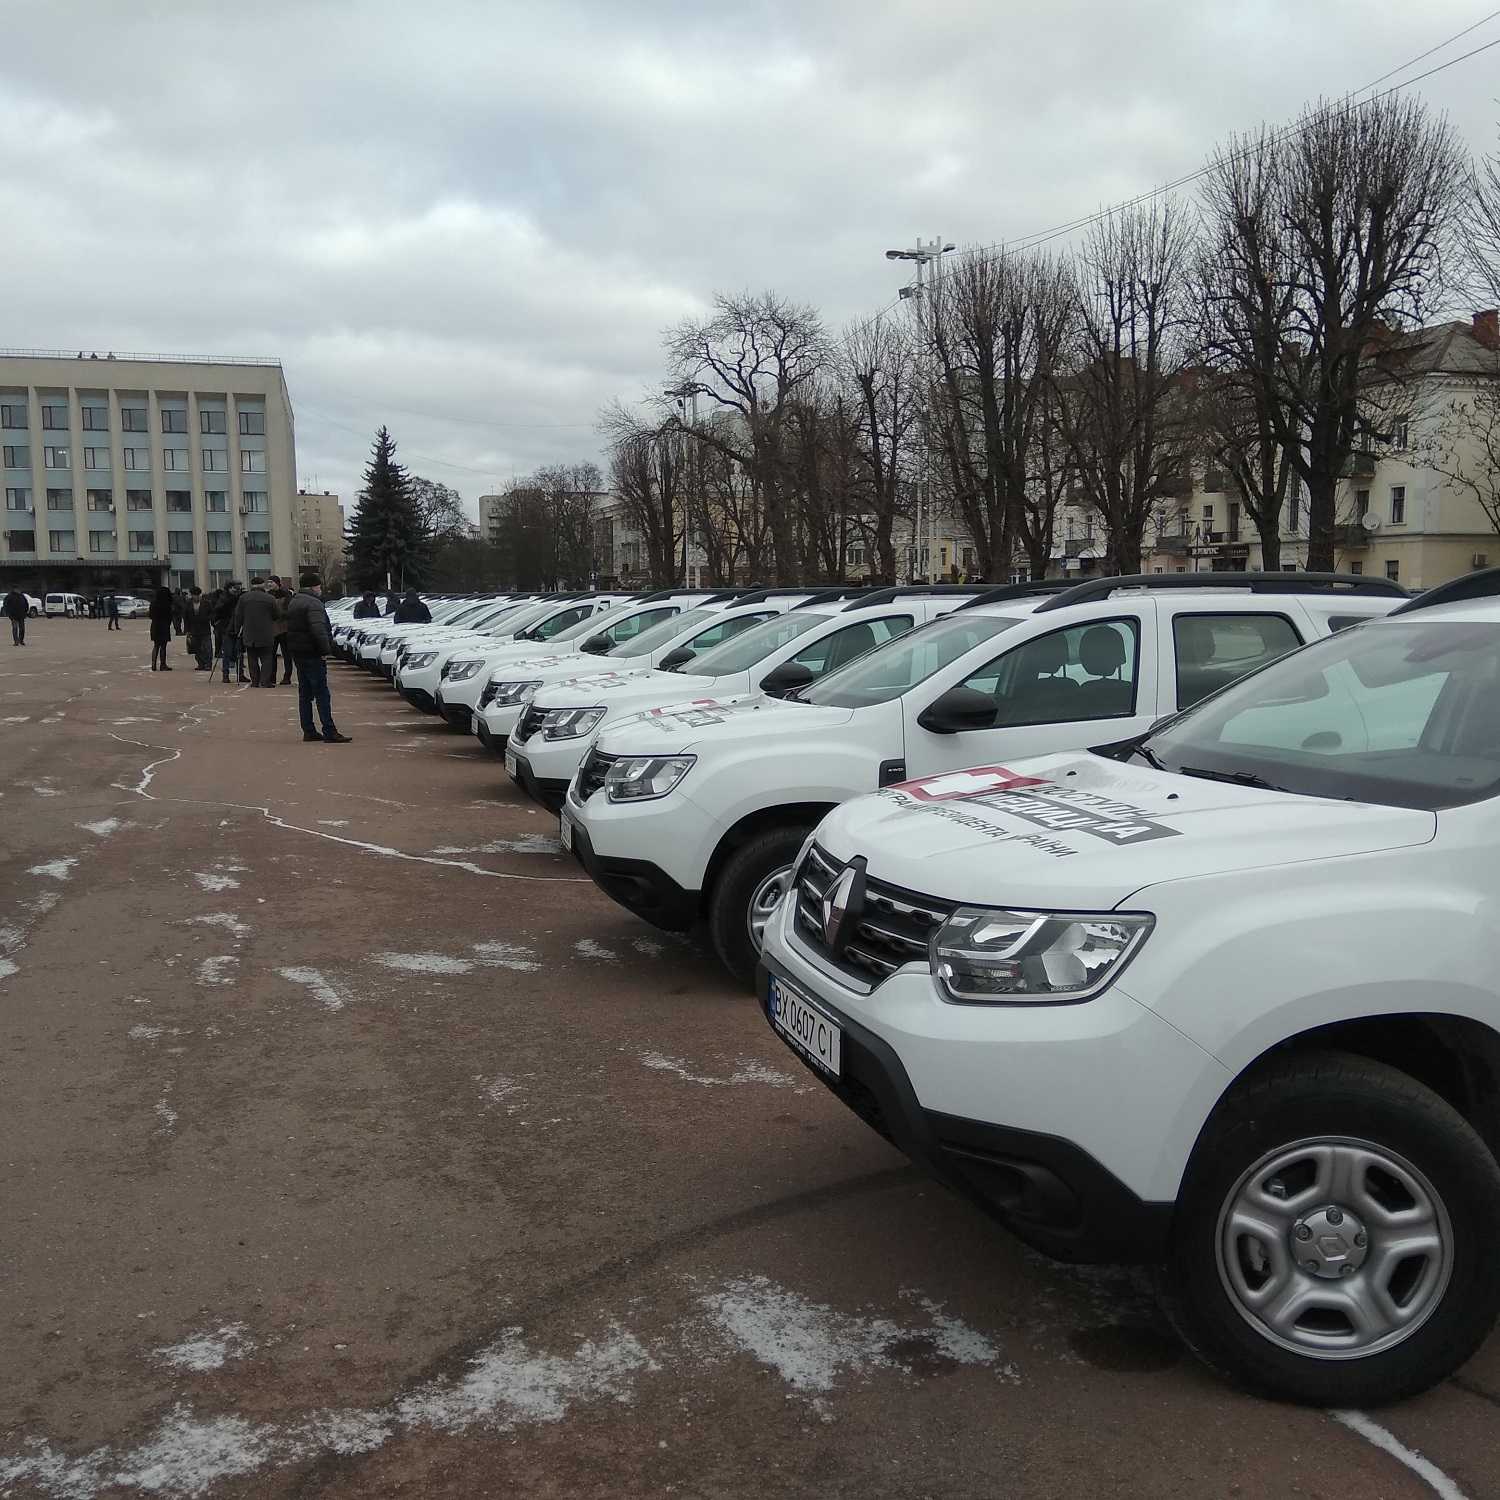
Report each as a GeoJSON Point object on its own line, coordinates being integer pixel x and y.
{"type": "Point", "coordinates": [1106, 694]}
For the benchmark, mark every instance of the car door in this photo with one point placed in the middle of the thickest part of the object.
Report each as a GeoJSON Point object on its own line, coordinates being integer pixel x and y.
{"type": "Point", "coordinates": [1066, 688]}
{"type": "Point", "coordinates": [1206, 647]}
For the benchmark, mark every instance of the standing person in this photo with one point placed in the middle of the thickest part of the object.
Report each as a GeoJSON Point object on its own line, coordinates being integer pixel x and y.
{"type": "Point", "coordinates": [367, 608]}
{"type": "Point", "coordinates": [283, 597]}
{"type": "Point", "coordinates": [412, 611]}
{"type": "Point", "coordinates": [392, 602]}
{"type": "Point", "coordinates": [179, 610]}
{"type": "Point", "coordinates": [309, 634]}
{"type": "Point", "coordinates": [16, 609]}
{"type": "Point", "coordinates": [229, 641]}
{"type": "Point", "coordinates": [255, 623]}
{"type": "Point", "coordinates": [200, 629]}
{"type": "Point", "coordinates": [112, 609]}
{"type": "Point", "coordinates": [161, 626]}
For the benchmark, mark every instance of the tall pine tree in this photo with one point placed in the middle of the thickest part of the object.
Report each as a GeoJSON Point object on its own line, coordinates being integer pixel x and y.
{"type": "Point", "coordinates": [388, 542]}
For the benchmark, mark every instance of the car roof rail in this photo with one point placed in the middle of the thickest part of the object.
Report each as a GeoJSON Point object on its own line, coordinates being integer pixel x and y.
{"type": "Point", "coordinates": [1253, 583]}
{"type": "Point", "coordinates": [1004, 591]}
{"type": "Point", "coordinates": [917, 590]}
{"type": "Point", "coordinates": [1485, 584]}
{"type": "Point", "coordinates": [831, 594]}
{"type": "Point", "coordinates": [759, 596]}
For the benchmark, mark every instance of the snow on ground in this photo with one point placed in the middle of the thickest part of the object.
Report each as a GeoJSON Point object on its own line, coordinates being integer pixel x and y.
{"type": "Point", "coordinates": [208, 1350]}
{"type": "Point", "coordinates": [328, 995]}
{"type": "Point", "coordinates": [746, 1070]}
{"type": "Point", "coordinates": [55, 869]}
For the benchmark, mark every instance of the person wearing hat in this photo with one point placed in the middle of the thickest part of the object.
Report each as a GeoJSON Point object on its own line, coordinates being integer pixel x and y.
{"type": "Point", "coordinates": [254, 623]}
{"type": "Point", "coordinates": [309, 634]}
{"type": "Point", "coordinates": [226, 642]}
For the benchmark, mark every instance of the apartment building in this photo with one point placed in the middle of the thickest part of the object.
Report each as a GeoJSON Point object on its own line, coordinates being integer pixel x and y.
{"type": "Point", "coordinates": [318, 521]}
{"type": "Point", "coordinates": [126, 470]}
{"type": "Point", "coordinates": [489, 517]}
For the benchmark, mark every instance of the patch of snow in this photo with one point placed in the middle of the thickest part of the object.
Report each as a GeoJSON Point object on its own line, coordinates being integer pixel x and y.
{"type": "Point", "coordinates": [423, 963]}
{"type": "Point", "coordinates": [500, 1088]}
{"type": "Point", "coordinates": [213, 883]}
{"type": "Point", "coordinates": [1387, 1441]}
{"type": "Point", "coordinates": [588, 948]}
{"type": "Point", "coordinates": [507, 956]}
{"type": "Point", "coordinates": [333, 822]}
{"type": "Point", "coordinates": [17, 719]}
{"type": "Point", "coordinates": [56, 869]}
{"type": "Point", "coordinates": [186, 1454]}
{"type": "Point", "coordinates": [217, 970]}
{"type": "Point", "coordinates": [323, 992]}
{"type": "Point", "coordinates": [530, 843]}
{"type": "Point", "coordinates": [146, 1033]}
{"type": "Point", "coordinates": [346, 1433]}
{"type": "Point", "coordinates": [225, 919]}
{"type": "Point", "coordinates": [7, 968]}
{"type": "Point", "coordinates": [54, 1474]}
{"type": "Point", "coordinates": [166, 1114]}
{"type": "Point", "coordinates": [104, 827]}
{"type": "Point", "coordinates": [746, 1070]}
{"type": "Point", "coordinates": [42, 904]}
{"type": "Point", "coordinates": [647, 947]}
{"type": "Point", "coordinates": [43, 790]}
{"type": "Point", "coordinates": [210, 1350]}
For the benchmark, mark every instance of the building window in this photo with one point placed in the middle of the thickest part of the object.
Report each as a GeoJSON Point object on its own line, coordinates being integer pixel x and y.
{"type": "Point", "coordinates": [18, 499]}
{"type": "Point", "coordinates": [252, 461]}
{"type": "Point", "coordinates": [174, 419]}
{"type": "Point", "coordinates": [17, 458]}
{"type": "Point", "coordinates": [21, 541]}
{"type": "Point", "coordinates": [1234, 520]}
{"type": "Point", "coordinates": [13, 416]}
{"type": "Point", "coordinates": [137, 458]}
{"type": "Point", "coordinates": [1356, 568]}
{"type": "Point", "coordinates": [1398, 505]}
{"type": "Point", "coordinates": [215, 460]}
{"type": "Point", "coordinates": [133, 419]}
{"type": "Point", "coordinates": [59, 499]}
{"type": "Point", "coordinates": [96, 458]}
{"type": "Point", "coordinates": [96, 419]}
{"type": "Point", "coordinates": [137, 499]}
{"type": "Point", "coordinates": [1361, 504]}
{"type": "Point", "coordinates": [220, 541]}
{"type": "Point", "coordinates": [252, 424]}
{"type": "Point", "coordinates": [257, 541]}
{"type": "Point", "coordinates": [55, 418]}
{"type": "Point", "coordinates": [1294, 505]}
{"type": "Point", "coordinates": [57, 458]}
{"type": "Point", "coordinates": [218, 577]}
{"type": "Point", "coordinates": [101, 500]}
{"type": "Point", "coordinates": [101, 541]}
{"type": "Point", "coordinates": [142, 541]}
{"type": "Point", "coordinates": [180, 501]}
{"type": "Point", "coordinates": [1393, 570]}
{"type": "Point", "coordinates": [175, 460]}
{"type": "Point", "coordinates": [179, 541]}
{"type": "Point", "coordinates": [1208, 516]}
{"type": "Point", "coordinates": [62, 541]}
{"type": "Point", "coordinates": [1400, 431]}
{"type": "Point", "coordinates": [255, 503]}
{"type": "Point", "coordinates": [210, 421]}
{"type": "Point", "coordinates": [216, 502]}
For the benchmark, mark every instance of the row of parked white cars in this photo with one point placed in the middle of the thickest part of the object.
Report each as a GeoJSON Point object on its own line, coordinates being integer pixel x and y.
{"type": "Point", "coordinates": [1155, 915]}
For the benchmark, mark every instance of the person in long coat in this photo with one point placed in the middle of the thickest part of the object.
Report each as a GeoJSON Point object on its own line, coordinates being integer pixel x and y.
{"type": "Point", "coordinates": [163, 606]}
{"type": "Point", "coordinates": [254, 622]}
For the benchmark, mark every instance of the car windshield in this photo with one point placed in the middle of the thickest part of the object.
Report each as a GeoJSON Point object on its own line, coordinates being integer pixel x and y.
{"type": "Point", "coordinates": [755, 644]}
{"type": "Point", "coordinates": [648, 640]}
{"type": "Point", "coordinates": [897, 667]}
{"type": "Point", "coordinates": [1405, 713]}
{"type": "Point", "coordinates": [587, 624]}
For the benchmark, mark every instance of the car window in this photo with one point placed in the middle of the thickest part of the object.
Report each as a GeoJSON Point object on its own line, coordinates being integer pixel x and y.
{"type": "Point", "coordinates": [723, 630]}
{"type": "Point", "coordinates": [1082, 672]}
{"type": "Point", "coordinates": [554, 625]}
{"type": "Point", "coordinates": [658, 635]}
{"type": "Point", "coordinates": [839, 647]}
{"type": "Point", "coordinates": [755, 645]}
{"type": "Point", "coordinates": [1214, 650]}
{"type": "Point", "coordinates": [1403, 713]}
{"type": "Point", "coordinates": [634, 625]}
{"type": "Point", "coordinates": [902, 663]}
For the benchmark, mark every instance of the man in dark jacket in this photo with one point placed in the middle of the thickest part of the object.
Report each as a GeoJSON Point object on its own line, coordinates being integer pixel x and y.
{"type": "Point", "coordinates": [226, 638]}
{"type": "Point", "coordinates": [411, 610]}
{"type": "Point", "coordinates": [367, 608]}
{"type": "Point", "coordinates": [309, 637]}
{"type": "Point", "coordinates": [255, 623]}
{"type": "Point", "coordinates": [16, 609]}
{"type": "Point", "coordinates": [198, 613]}
{"type": "Point", "coordinates": [283, 597]}
{"type": "Point", "coordinates": [112, 609]}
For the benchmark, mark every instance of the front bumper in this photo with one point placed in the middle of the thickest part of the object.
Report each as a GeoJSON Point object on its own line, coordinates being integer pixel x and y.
{"type": "Point", "coordinates": [419, 698]}
{"type": "Point", "coordinates": [547, 790]}
{"type": "Point", "coordinates": [638, 885]}
{"type": "Point", "coordinates": [488, 738]}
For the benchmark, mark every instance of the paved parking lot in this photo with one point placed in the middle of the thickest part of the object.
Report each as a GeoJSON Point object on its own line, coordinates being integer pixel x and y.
{"type": "Point", "coordinates": [354, 1145]}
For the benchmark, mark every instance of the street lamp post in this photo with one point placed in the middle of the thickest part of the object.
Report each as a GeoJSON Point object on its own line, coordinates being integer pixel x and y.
{"type": "Point", "coordinates": [686, 397]}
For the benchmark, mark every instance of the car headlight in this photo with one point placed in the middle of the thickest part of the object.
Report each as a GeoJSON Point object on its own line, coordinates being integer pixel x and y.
{"type": "Point", "coordinates": [419, 659]}
{"type": "Point", "coordinates": [514, 692]}
{"type": "Point", "coordinates": [1015, 957]}
{"type": "Point", "coordinates": [639, 778]}
{"type": "Point", "coordinates": [571, 723]}
{"type": "Point", "coordinates": [461, 671]}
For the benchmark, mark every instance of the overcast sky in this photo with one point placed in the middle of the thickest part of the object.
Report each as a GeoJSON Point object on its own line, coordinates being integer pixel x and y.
{"type": "Point", "coordinates": [472, 222]}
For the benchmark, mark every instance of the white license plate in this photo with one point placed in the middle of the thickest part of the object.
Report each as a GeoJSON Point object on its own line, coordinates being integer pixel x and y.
{"type": "Point", "coordinates": [805, 1027]}
{"type": "Point", "coordinates": [565, 829]}
{"type": "Point", "coordinates": [510, 763]}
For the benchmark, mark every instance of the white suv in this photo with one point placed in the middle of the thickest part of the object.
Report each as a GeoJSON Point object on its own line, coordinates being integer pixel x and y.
{"type": "Point", "coordinates": [699, 811]}
{"type": "Point", "coordinates": [1224, 997]}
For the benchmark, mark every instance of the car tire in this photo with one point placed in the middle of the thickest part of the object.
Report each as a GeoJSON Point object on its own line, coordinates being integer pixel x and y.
{"type": "Point", "coordinates": [743, 880]}
{"type": "Point", "coordinates": [1302, 1159]}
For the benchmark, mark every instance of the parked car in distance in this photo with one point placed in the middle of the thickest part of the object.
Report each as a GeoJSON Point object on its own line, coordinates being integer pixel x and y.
{"type": "Point", "coordinates": [130, 607]}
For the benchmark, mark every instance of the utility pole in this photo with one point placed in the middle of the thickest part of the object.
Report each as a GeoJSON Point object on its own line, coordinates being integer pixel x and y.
{"type": "Point", "coordinates": [923, 254]}
{"type": "Point", "coordinates": [686, 397]}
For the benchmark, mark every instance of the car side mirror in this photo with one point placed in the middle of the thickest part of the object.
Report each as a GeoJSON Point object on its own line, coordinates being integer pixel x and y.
{"type": "Point", "coordinates": [958, 709]}
{"type": "Point", "coordinates": [679, 656]}
{"type": "Point", "coordinates": [789, 677]}
{"type": "Point", "coordinates": [596, 645]}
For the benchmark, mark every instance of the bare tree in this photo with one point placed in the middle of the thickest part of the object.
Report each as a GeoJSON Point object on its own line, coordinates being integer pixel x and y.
{"type": "Point", "coordinates": [752, 358]}
{"type": "Point", "coordinates": [1120, 407]}
{"type": "Point", "coordinates": [1331, 238]}
{"type": "Point", "coordinates": [1461, 442]}
{"type": "Point", "coordinates": [648, 469]}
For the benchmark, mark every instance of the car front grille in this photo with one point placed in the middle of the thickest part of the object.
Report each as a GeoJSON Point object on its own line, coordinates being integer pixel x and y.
{"type": "Point", "coordinates": [893, 929]}
{"type": "Point", "coordinates": [529, 723]}
{"type": "Point", "coordinates": [592, 772]}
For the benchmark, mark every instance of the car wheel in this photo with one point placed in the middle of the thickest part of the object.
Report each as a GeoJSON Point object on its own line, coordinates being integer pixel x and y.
{"type": "Point", "coordinates": [1333, 1240]}
{"type": "Point", "coordinates": [751, 882]}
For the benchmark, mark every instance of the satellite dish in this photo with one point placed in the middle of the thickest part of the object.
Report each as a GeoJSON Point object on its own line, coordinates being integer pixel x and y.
{"type": "Point", "coordinates": [1370, 521]}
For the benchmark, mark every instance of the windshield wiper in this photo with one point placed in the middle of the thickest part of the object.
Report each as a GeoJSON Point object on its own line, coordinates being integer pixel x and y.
{"type": "Point", "coordinates": [1235, 778]}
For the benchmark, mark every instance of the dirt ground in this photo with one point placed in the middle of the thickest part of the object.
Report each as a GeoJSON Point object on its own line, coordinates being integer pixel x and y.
{"type": "Point", "coordinates": [352, 1144]}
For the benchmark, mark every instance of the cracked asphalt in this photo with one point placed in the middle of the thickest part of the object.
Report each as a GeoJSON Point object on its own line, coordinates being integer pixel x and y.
{"type": "Point", "coordinates": [354, 1145]}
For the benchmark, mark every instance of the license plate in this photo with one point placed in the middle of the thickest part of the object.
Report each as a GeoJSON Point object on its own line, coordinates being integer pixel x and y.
{"type": "Point", "coordinates": [565, 830]}
{"type": "Point", "coordinates": [805, 1027]}
{"type": "Point", "coordinates": [510, 764]}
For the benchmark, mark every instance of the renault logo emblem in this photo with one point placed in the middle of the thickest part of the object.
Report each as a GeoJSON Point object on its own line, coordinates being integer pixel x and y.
{"type": "Point", "coordinates": [843, 904]}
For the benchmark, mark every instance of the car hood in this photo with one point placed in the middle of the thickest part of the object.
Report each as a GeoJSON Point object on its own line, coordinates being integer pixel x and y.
{"type": "Point", "coordinates": [619, 691]}
{"type": "Point", "coordinates": [1085, 833]}
{"type": "Point", "coordinates": [694, 726]}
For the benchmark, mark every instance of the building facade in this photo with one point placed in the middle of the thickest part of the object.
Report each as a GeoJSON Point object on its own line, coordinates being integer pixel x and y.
{"type": "Point", "coordinates": [489, 517]}
{"type": "Point", "coordinates": [318, 522]}
{"type": "Point", "coordinates": [125, 470]}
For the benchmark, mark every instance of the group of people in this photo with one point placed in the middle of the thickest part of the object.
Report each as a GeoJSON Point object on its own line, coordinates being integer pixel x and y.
{"type": "Point", "coordinates": [403, 609]}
